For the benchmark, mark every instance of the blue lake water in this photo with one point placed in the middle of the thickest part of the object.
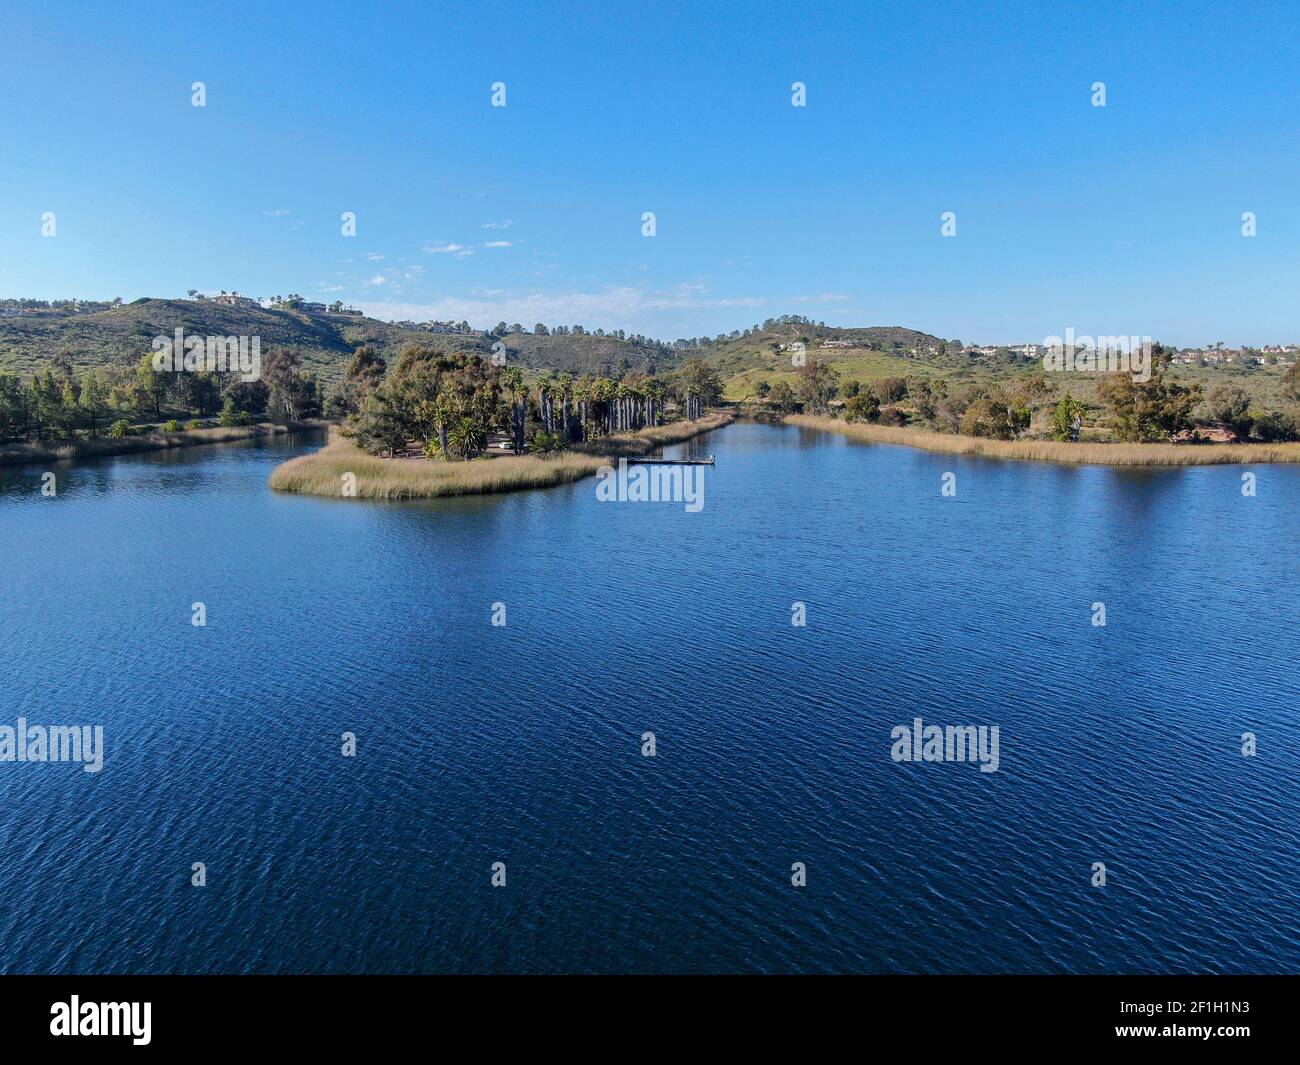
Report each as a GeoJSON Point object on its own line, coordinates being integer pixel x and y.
{"type": "Point", "coordinates": [522, 744]}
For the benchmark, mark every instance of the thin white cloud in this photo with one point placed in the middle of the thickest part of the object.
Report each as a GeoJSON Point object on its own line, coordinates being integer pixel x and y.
{"type": "Point", "coordinates": [822, 297]}
{"type": "Point", "coordinates": [448, 248]}
{"type": "Point", "coordinates": [374, 256]}
{"type": "Point", "coordinates": [498, 244]}
{"type": "Point", "coordinates": [278, 213]}
{"type": "Point", "coordinates": [613, 307]}
{"type": "Point", "coordinates": [378, 279]}
{"type": "Point", "coordinates": [498, 225]}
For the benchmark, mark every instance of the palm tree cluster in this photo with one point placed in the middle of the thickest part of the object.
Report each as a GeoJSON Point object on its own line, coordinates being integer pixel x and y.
{"type": "Point", "coordinates": [450, 404]}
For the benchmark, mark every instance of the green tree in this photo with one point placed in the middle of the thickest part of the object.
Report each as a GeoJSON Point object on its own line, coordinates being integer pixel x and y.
{"type": "Point", "coordinates": [994, 417]}
{"type": "Point", "coordinates": [863, 407]}
{"type": "Point", "coordinates": [782, 399]}
{"type": "Point", "coordinates": [817, 385]}
{"type": "Point", "coordinates": [231, 415]}
{"type": "Point", "coordinates": [1228, 404]}
{"type": "Point", "coordinates": [93, 401]}
{"type": "Point", "coordinates": [151, 387]}
{"type": "Point", "coordinates": [1154, 409]}
{"type": "Point", "coordinates": [1291, 381]}
{"type": "Point", "coordinates": [1067, 419]}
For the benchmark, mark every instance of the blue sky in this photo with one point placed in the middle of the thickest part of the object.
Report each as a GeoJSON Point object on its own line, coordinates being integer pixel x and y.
{"type": "Point", "coordinates": [1117, 220]}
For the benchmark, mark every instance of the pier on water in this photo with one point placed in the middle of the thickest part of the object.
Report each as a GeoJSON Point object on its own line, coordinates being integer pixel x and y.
{"type": "Point", "coordinates": [670, 462]}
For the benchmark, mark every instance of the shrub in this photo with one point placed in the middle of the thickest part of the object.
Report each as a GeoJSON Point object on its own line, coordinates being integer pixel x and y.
{"type": "Point", "coordinates": [231, 416]}
{"type": "Point", "coordinates": [172, 426]}
{"type": "Point", "coordinates": [890, 389]}
{"type": "Point", "coordinates": [194, 423]}
{"type": "Point", "coordinates": [993, 418]}
{"type": "Point", "coordinates": [544, 443]}
{"type": "Point", "coordinates": [1228, 404]}
{"type": "Point", "coordinates": [782, 399]}
{"type": "Point", "coordinates": [863, 407]}
{"type": "Point", "coordinates": [1275, 426]}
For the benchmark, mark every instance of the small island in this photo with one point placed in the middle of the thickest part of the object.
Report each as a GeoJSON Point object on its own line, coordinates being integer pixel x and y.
{"type": "Point", "coordinates": [447, 424]}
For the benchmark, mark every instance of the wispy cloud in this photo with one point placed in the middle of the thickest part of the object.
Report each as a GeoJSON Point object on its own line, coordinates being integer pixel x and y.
{"type": "Point", "coordinates": [447, 248]}
{"type": "Point", "coordinates": [498, 225]}
{"type": "Point", "coordinates": [374, 256]}
{"type": "Point", "coordinates": [613, 307]}
{"type": "Point", "coordinates": [498, 244]}
{"type": "Point", "coordinates": [278, 213]}
{"type": "Point", "coordinates": [822, 297]}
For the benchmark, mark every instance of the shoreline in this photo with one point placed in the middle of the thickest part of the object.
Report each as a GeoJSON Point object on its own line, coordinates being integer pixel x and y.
{"type": "Point", "coordinates": [105, 447]}
{"type": "Point", "coordinates": [322, 472]}
{"type": "Point", "coordinates": [1057, 451]}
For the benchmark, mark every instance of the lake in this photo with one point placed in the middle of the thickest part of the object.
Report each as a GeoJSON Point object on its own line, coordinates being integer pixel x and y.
{"type": "Point", "coordinates": [522, 743]}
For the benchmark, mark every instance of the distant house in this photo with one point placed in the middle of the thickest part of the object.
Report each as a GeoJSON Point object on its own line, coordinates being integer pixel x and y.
{"type": "Point", "coordinates": [314, 308]}
{"type": "Point", "coordinates": [234, 299]}
{"type": "Point", "coordinates": [836, 344]}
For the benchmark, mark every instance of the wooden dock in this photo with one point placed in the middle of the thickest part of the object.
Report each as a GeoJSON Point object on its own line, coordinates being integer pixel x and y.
{"type": "Point", "coordinates": [671, 462]}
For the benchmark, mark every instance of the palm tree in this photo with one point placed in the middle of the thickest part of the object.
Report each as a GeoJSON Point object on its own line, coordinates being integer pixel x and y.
{"type": "Point", "coordinates": [513, 380]}
{"type": "Point", "coordinates": [545, 386]}
{"type": "Point", "coordinates": [566, 394]}
{"type": "Point", "coordinates": [466, 438]}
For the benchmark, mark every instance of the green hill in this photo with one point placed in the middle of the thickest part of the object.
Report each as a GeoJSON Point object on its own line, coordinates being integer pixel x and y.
{"type": "Point", "coordinates": [124, 333]}
{"type": "Point", "coordinates": [121, 334]}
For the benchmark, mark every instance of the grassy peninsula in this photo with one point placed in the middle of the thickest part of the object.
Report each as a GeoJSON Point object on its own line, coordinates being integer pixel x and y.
{"type": "Point", "coordinates": [323, 472]}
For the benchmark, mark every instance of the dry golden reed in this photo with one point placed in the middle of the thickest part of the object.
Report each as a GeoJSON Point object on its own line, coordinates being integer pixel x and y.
{"type": "Point", "coordinates": [1055, 450]}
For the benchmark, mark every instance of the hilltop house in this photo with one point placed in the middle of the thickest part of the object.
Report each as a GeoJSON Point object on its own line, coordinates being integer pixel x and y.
{"type": "Point", "coordinates": [234, 299]}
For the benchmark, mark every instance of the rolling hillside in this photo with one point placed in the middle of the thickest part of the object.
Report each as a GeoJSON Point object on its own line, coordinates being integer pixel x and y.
{"type": "Point", "coordinates": [122, 334]}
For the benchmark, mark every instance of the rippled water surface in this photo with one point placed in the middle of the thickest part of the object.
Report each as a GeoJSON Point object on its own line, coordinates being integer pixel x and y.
{"type": "Point", "coordinates": [522, 744]}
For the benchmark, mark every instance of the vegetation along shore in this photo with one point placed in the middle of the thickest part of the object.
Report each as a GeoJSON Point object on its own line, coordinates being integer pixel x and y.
{"type": "Point", "coordinates": [439, 424]}
{"type": "Point", "coordinates": [21, 454]}
{"type": "Point", "coordinates": [1109, 454]}
{"type": "Point", "coordinates": [438, 400]}
{"type": "Point", "coordinates": [325, 472]}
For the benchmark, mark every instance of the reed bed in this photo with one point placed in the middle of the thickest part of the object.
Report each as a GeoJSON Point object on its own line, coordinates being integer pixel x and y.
{"type": "Point", "coordinates": [323, 472]}
{"type": "Point", "coordinates": [1058, 451]}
